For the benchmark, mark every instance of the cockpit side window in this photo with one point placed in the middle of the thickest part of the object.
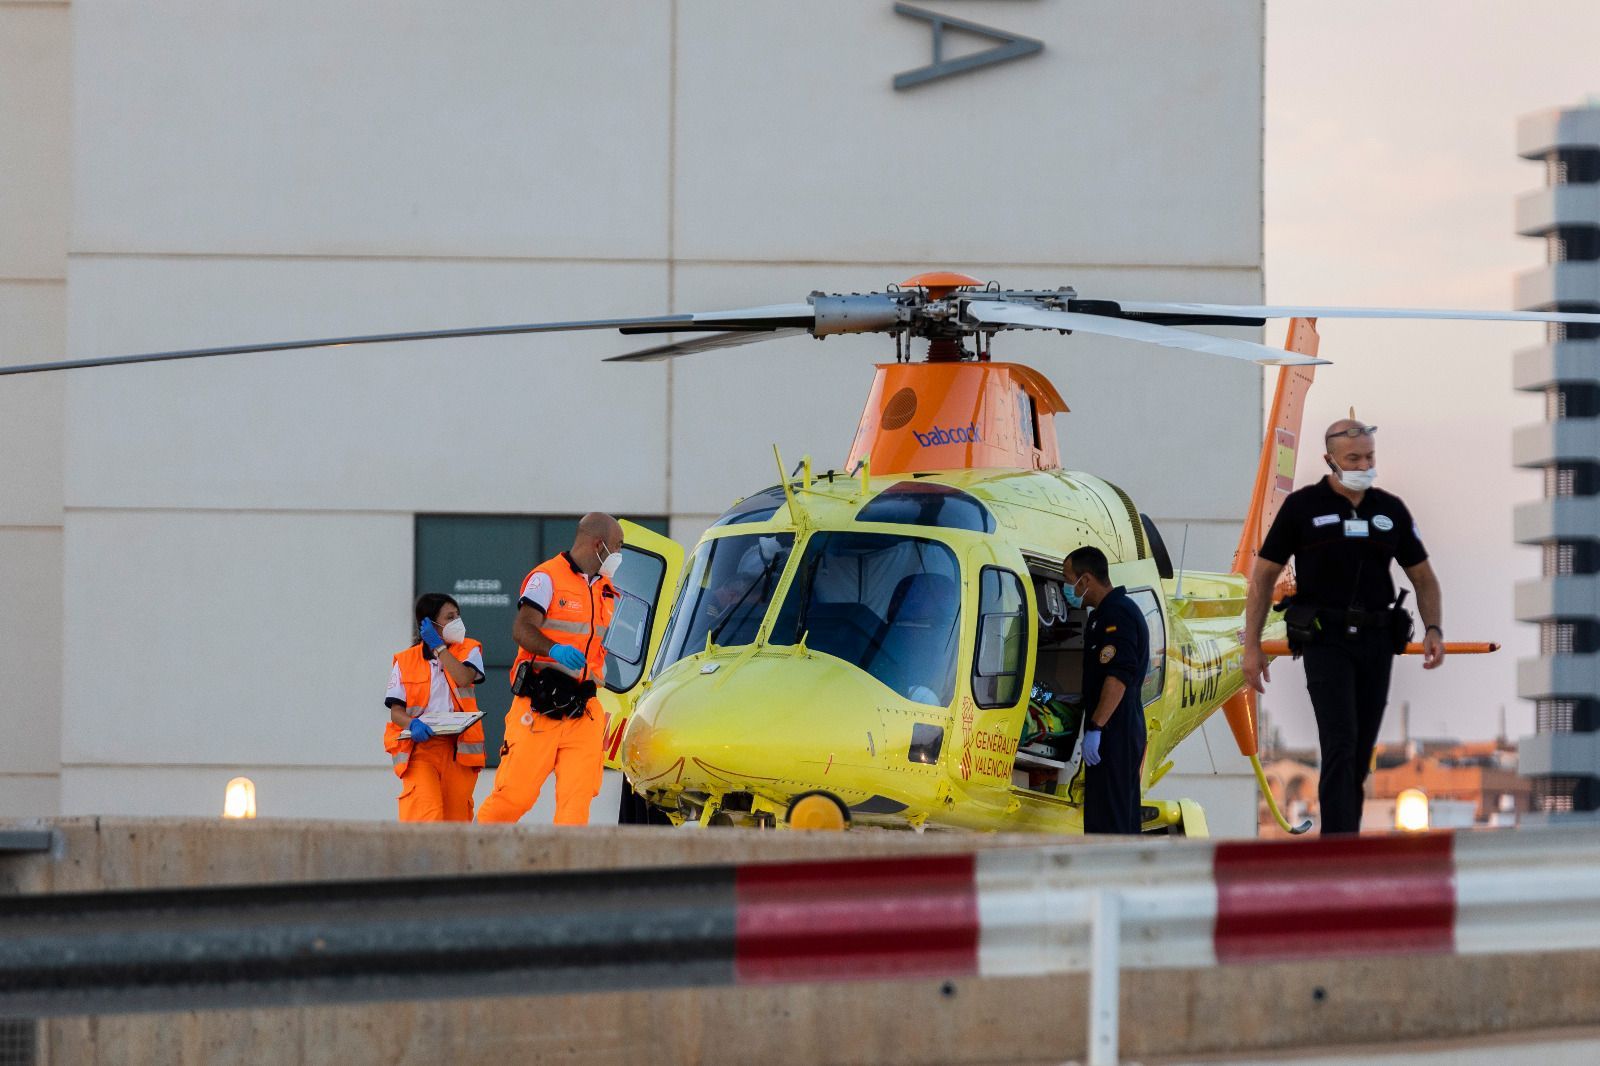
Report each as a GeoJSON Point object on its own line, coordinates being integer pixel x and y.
{"type": "Point", "coordinates": [1002, 648]}
{"type": "Point", "coordinates": [1155, 677]}
{"type": "Point", "coordinates": [887, 604]}
{"type": "Point", "coordinates": [639, 581]}
{"type": "Point", "coordinates": [725, 594]}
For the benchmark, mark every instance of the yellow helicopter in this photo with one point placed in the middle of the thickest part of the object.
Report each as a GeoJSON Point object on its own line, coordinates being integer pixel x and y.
{"type": "Point", "coordinates": [888, 644]}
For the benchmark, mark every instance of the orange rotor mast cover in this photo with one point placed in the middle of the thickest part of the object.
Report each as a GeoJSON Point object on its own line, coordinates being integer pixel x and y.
{"type": "Point", "coordinates": [954, 414]}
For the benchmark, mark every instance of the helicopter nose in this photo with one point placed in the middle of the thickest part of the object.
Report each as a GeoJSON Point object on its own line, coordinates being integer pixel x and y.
{"type": "Point", "coordinates": [767, 718]}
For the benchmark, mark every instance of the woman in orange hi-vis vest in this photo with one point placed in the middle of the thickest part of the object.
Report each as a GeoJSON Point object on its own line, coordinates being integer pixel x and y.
{"type": "Point", "coordinates": [438, 673]}
{"type": "Point", "coordinates": [555, 725]}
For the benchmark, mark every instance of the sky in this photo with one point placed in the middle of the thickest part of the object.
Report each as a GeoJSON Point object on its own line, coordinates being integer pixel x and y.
{"type": "Point", "coordinates": [1391, 174]}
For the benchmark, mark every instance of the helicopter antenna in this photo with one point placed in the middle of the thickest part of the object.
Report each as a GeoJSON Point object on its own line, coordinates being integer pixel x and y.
{"type": "Point", "coordinates": [797, 513]}
{"type": "Point", "coordinates": [1183, 553]}
{"type": "Point", "coordinates": [783, 480]}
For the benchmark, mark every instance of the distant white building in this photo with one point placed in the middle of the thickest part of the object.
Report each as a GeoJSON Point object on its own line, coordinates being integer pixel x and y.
{"type": "Point", "coordinates": [1563, 759]}
{"type": "Point", "coordinates": [207, 565]}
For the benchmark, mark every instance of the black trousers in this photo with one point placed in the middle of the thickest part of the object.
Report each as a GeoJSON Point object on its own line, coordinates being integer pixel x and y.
{"type": "Point", "coordinates": [1348, 679]}
{"type": "Point", "coordinates": [1111, 787]}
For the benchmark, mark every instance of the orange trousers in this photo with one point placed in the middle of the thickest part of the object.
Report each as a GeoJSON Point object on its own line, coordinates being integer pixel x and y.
{"type": "Point", "coordinates": [436, 788]}
{"type": "Point", "coordinates": [570, 748]}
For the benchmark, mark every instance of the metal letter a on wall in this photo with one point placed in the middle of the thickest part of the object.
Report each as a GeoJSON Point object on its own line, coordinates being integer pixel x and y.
{"type": "Point", "coordinates": [1011, 46]}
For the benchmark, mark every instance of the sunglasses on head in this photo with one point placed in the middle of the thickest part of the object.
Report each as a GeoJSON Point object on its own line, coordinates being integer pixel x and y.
{"type": "Point", "coordinates": [1354, 431]}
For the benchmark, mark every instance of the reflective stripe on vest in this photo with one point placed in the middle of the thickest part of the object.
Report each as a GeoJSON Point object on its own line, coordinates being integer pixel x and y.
{"type": "Point", "coordinates": [578, 616]}
{"type": "Point", "coordinates": [416, 675]}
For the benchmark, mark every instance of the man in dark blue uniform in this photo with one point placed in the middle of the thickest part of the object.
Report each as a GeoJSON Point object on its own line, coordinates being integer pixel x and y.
{"type": "Point", "coordinates": [1344, 535]}
{"type": "Point", "coordinates": [1116, 655]}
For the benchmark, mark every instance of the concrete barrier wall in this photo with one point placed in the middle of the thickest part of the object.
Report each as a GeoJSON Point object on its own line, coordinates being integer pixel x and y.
{"type": "Point", "coordinates": [1235, 1009]}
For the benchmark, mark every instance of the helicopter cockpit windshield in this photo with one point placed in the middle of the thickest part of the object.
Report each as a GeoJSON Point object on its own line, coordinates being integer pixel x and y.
{"type": "Point", "coordinates": [886, 603]}
{"type": "Point", "coordinates": [725, 594]}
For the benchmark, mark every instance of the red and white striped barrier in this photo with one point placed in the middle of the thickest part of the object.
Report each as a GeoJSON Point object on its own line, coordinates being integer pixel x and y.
{"type": "Point", "coordinates": [1145, 905]}
{"type": "Point", "coordinates": [1027, 910]}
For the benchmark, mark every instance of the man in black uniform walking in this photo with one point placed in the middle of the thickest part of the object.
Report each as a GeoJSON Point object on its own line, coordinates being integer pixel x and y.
{"type": "Point", "coordinates": [1116, 655]}
{"type": "Point", "coordinates": [1343, 534]}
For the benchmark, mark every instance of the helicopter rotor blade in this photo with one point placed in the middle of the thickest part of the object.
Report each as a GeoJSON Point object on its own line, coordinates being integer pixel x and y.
{"type": "Point", "coordinates": [762, 319]}
{"type": "Point", "coordinates": [1025, 317]}
{"type": "Point", "coordinates": [1252, 311]}
{"type": "Point", "coordinates": [709, 342]}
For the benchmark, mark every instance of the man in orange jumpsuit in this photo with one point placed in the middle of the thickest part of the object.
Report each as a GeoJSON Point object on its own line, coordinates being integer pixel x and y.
{"type": "Point", "coordinates": [555, 724]}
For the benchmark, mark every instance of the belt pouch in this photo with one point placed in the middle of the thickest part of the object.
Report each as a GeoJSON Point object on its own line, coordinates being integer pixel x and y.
{"type": "Point", "coordinates": [1300, 622]}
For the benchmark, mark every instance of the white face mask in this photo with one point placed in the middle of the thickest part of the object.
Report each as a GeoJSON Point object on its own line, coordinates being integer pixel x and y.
{"type": "Point", "coordinates": [454, 631]}
{"type": "Point", "coordinates": [609, 565]}
{"type": "Point", "coordinates": [1356, 480]}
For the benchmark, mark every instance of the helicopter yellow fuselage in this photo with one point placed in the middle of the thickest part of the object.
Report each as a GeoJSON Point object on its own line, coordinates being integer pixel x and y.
{"type": "Point", "coordinates": [743, 730]}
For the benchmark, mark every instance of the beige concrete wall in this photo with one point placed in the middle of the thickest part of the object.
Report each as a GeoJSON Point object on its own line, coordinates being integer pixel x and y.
{"type": "Point", "coordinates": [35, 123]}
{"type": "Point", "coordinates": [1017, 1022]}
{"type": "Point", "coordinates": [304, 169]}
{"type": "Point", "coordinates": [1227, 1010]}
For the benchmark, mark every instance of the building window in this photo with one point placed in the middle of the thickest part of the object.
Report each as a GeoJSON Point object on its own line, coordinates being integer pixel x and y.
{"type": "Point", "coordinates": [1563, 559]}
{"type": "Point", "coordinates": [1578, 637]}
{"type": "Point", "coordinates": [1553, 795]}
{"type": "Point", "coordinates": [1571, 479]}
{"type": "Point", "coordinates": [1556, 638]}
{"type": "Point", "coordinates": [1558, 481]}
{"type": "Point", "coordinates": [1560, 795]}
{"type": "Point", "coordinates": [1554, 716]}
{"type": "Point", "coordinates": [1572, 166]}
{"type": "Point", "coordinates": [1556, 332]}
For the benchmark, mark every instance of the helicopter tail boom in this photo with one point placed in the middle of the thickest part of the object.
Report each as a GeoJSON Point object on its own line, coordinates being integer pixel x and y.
{"type": "Point", "coordinates": [1274, 482]}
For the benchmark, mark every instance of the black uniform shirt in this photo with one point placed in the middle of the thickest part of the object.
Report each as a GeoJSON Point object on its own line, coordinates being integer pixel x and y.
{"type": "Point", "coordinates": [1342, 553]}
{"type": "Point", "coordinates": [1117, 644]}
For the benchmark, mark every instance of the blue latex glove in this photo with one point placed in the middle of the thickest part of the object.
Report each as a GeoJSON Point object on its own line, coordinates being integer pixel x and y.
{"type": "Point", "coordinates": [420, 730]}
{"type": "Point", "coordinates": [1091, 747]}
{"type": "Point", "coordinates": [430, 635]}
{"type": "Point", "coordinates": [567, 656]}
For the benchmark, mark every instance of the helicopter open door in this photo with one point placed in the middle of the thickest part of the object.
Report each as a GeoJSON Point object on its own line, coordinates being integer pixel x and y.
{"type": "Point", "coordinates": [647, 578]}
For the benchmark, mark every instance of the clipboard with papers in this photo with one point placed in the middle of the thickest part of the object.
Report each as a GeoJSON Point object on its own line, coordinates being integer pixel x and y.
{"type": "Point", "coordinates": [445, 723]}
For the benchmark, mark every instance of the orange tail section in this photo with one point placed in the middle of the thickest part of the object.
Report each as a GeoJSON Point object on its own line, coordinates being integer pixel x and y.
{"type": "Point", "coordinates": [1274, 482]}
{"type": "Point", "coordinates": [1275, 469]}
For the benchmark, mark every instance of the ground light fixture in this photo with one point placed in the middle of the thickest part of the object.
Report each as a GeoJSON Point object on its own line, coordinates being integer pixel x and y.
{"type": "Point", "coordinates": [239, 799]}
{"type": "Point", "coordinates": [1411, 811]}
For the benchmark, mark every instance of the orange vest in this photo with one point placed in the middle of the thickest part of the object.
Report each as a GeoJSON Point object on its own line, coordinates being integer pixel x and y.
{"type": "Point", "coordinates": [578, 616]}
{"type": "Point", "coordinates": [416, 674]}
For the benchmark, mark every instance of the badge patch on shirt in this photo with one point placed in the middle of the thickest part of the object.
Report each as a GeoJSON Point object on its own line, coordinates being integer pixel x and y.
{"type": "Point", "coordinates": [1383, 523]}
{"type": "Point", "coordinates": [1355, 527]}
{"type": "Point", "coordinates": [1325, 520]}
{"type": "Point", "coordinates": [1107, 653]}
{"type": "Point", "coordinates": [1111, 629]}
